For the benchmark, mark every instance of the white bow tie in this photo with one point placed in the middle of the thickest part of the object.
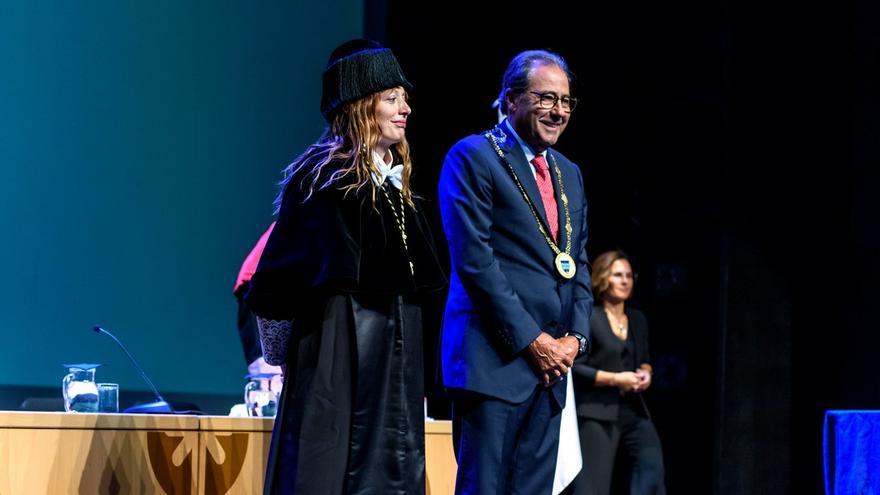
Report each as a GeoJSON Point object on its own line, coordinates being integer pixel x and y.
{"type": "Point", "coordinates": [393, 174]}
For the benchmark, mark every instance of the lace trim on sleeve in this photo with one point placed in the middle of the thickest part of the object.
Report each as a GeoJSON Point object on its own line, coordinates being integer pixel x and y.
{"type": "Point", "coordinates": [275, 337]}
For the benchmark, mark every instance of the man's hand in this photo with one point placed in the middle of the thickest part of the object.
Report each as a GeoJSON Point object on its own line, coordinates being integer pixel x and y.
{"type": "Point", "coordinates": [551, 358]}
{"type": "Point", "coordinates": [570, 345]}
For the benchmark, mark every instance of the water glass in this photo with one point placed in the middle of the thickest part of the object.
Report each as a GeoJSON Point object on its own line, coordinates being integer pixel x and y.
{"type": "Point", "coordinates": [108, 397]}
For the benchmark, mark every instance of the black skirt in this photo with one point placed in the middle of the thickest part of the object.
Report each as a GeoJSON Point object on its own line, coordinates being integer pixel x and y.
{"type": "Point", "coordinates": [351, 418]}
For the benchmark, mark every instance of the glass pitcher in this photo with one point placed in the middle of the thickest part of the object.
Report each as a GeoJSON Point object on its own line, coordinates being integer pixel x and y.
{"type": "Point", "coordinates": [79, 388]}
{"type": "Point", "coordinates": [261, 394]}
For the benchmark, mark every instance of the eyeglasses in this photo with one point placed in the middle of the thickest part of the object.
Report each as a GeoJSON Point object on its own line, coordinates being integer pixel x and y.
{"type": "Point", "coordinates": [549, 100]}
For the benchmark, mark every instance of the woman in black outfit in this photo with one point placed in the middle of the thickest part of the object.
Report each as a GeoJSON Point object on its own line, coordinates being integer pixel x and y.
{"type": "Point", "coordinates": [608, 381]}
{"type": "Point", "coordinates": [337, 293]}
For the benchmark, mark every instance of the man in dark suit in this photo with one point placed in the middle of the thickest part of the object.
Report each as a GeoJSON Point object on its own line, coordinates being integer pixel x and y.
{"type": "Point", "coordinates": [519, 304]}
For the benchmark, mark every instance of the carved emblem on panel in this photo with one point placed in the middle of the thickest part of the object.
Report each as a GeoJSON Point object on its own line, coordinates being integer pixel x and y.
{"type": "Point", "coordinates": [224, 460]}
{"type": "Point", "coordinates": [171, 459]}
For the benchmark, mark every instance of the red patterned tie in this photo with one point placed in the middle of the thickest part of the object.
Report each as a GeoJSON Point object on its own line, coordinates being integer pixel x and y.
{"type": "Point", "coordinates": [545, 186]}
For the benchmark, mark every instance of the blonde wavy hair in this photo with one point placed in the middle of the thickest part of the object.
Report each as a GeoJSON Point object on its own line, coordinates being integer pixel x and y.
{"type": "Point", "coordinates": [352, 135]}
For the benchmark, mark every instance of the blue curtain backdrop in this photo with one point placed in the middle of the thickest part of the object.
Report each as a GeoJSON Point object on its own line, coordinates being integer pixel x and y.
{"type": "Point", "coordinates": [139, 147]}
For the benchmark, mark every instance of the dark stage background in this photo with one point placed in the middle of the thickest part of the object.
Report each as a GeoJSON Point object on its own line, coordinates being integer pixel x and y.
{"type": "Point", "coordinates": [731, 148]}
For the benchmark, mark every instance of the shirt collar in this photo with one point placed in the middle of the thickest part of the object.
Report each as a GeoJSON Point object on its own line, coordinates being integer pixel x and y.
{"type": "Point", "coordinates": [393, 174]}
{"type": "Point", "coordinates": [527, 149]}
{"type": "Point", "coordinates": [380, 160]}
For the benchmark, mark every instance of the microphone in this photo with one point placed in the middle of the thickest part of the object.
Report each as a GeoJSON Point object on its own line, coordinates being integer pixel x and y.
{"type": "Point", "coordinates": [159, 406]}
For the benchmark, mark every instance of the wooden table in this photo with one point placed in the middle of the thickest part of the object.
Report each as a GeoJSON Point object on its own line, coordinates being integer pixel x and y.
{"type": "Point", "coordinates": [440, 465]}
{"type": "Point", "coordinates": [61, 453]}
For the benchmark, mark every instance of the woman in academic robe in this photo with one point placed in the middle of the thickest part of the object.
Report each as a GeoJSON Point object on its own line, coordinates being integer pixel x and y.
{"type": "Point", "coordinates": [338, 291]}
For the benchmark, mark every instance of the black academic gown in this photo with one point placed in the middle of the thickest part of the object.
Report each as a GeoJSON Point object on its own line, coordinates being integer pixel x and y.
{"type": "Point", "coordinates": [351, 418]}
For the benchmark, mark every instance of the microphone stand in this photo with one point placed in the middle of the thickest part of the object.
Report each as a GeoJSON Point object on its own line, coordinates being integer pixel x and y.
{"type": "Point", "coordinates": [159, 406]}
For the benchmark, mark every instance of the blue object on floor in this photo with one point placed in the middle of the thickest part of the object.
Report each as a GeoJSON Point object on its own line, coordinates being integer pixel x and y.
{"type": "Point", "coordinates": [852, 452]}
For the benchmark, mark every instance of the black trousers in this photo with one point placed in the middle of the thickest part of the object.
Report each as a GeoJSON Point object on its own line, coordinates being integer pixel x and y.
{"type": "Point", "coordinates": [633, 440]}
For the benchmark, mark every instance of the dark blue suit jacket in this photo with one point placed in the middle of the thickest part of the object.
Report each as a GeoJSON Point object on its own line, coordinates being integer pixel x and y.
{"type": "Point", "coordinates": [504, 288]}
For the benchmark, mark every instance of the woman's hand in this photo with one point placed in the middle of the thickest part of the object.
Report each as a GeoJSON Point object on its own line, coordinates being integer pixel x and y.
{"type": "Point", "coordinates": [644, 377]}
{"type": "Point", "coordinates": [626, 381]}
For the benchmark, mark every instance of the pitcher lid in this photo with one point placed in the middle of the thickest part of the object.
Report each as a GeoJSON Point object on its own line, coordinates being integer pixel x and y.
{"type": "Point", "coordinates": [261, 376]}
{"type": "Point", "coordinates": [82, 366]}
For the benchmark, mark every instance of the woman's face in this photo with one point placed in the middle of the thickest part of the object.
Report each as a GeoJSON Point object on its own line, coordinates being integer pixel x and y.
{"type": "Point", "coordinates": [391, 113]}
{"type": "Point", "coordinates": [620, 282]}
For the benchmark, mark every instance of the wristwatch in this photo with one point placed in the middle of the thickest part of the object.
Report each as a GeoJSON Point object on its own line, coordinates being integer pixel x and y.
{"type": "Point", "coordinates": [583, 343]}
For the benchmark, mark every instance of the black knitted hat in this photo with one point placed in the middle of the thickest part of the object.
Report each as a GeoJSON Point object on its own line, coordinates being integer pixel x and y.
{"type": "Point", "coordinates": [358, 68]}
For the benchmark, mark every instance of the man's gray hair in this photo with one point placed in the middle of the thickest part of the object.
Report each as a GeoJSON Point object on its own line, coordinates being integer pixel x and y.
{"type": "Point", "coordinates": [516, 77]}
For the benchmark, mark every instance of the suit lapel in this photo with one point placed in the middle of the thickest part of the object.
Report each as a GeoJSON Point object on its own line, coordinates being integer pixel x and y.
{"type": "Point", "coordinates": [514, 154]}
{"type": "Point", "coordinates": [606, 325]}
{"type": "Point", "coordinates": [632, 337]}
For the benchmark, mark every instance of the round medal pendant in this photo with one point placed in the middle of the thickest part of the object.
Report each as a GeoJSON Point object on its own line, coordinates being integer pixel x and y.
{"type": "Point", "coordinates": [565, 265]}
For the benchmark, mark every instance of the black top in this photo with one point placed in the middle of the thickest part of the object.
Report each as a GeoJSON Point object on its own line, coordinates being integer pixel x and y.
{"type": "Point", "coordinates": [340, 242]}
{"type": "Point", "coordinates": [609, 353]}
